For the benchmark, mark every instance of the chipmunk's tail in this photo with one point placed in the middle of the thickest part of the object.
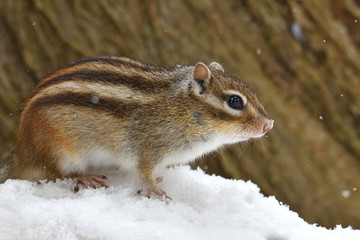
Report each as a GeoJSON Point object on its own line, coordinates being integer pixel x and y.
{"type": "Point", "coordinates": [6, 166]}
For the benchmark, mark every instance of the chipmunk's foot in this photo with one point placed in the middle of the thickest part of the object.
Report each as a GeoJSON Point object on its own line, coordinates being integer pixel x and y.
{"type": "Point", "coordinates": [93, 181]}
{"type": "Point", "coordinates": [153, 188]}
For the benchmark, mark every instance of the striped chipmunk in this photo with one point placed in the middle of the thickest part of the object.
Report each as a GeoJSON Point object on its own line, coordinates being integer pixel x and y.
{"type": "Point", "coordinates": [117, 112]}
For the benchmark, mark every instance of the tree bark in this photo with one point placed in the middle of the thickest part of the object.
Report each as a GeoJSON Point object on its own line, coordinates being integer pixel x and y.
{"type": "Point", "coordinates": [300, 56]}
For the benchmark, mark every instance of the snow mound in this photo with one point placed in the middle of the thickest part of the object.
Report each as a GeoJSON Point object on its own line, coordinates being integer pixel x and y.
{"type": "Point", "coordinates": [203, 207]}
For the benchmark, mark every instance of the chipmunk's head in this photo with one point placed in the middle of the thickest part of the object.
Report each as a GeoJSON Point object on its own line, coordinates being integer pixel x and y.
{"type": "Point", "coordinates": [231, 109]}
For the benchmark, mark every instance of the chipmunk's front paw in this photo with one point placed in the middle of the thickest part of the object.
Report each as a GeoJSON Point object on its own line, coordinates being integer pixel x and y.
{"type": "Point", "coordinates": [153, 188]}
{"type": "Point", "coordinates": [94, 181]}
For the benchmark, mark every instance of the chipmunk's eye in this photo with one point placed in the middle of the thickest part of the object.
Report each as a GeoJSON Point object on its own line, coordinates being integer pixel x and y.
{"type": "Point", "coordinates": [236, 102]}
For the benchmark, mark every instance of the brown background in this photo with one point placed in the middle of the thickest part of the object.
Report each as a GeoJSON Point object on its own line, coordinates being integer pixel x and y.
{"type": "Point", "coordinates": [301, 57]}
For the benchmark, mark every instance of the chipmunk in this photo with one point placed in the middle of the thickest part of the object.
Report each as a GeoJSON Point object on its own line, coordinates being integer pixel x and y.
{"type": "Point", "coordinates": [115, 111]}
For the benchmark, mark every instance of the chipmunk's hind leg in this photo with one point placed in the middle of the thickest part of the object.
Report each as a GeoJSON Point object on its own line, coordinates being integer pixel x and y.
{"type": "Point", "coordinates": [91, 181]}
{"type": "Point", "coordinates": [79, 169]}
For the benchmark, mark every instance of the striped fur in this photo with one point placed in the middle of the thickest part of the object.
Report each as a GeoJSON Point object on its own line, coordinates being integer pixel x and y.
{"type": "Point", "coordinates": [114, 111]}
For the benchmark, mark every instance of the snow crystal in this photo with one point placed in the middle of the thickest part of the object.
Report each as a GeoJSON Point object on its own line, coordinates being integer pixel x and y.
{"type": "Point", "coordinates": [95, 99]}
{"type": "Point", "coordinates": [203, 207]}
{"type": "Point", "coordinates": [258, 51]}
{"type": "Point", "coordinates": [346, 193]}
{"type": "Point", "coordinates": [296, 31]}
{"type": "Point", "coordinates": [34, 24]}
{"type": "Point", "coordinates": [355, 21]}
{"type": "Point", "coordinates": [354, 189]}
{"type": "Point", "coordinates": [321, 117]}
{"type": "Point", "coordinates": [324, 40]}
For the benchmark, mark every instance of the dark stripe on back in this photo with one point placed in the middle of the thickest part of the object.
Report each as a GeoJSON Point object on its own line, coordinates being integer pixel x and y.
{"type": "Point", "coordinates": [118, 61]}
{"type": "Point", "coordinates": [115, 61]}
{"type": "Point", "coordinates": [87, 100]}
{"type": "Point", "coordinates": [135, 82]}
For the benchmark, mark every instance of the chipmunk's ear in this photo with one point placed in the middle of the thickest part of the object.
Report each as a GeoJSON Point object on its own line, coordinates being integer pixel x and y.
{"type": "Point", "coordinates": [201, 76]}
{"type": "Point", "coordinates": [216, 66]}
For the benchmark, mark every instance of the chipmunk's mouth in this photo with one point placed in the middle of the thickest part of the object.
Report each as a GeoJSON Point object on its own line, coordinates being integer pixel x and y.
{"type": "Point", "coordinates": [265, 127]}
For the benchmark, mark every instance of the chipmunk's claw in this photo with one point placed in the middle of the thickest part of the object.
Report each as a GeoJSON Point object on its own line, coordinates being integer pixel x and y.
{"type": "Point", "coordinates": [159, 180]}
{"type": "Point", "coordinates": [157, 191]}
{"type": "Point", "coordinates": [94, 181]}
{"type": "Point", "coordinates": [153, 188]}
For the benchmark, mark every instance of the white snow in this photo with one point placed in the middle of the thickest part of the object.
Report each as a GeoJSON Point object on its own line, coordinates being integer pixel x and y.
{"type": "Point", "coordinates": [95, 99]}
{"type": "Point", "coordinates": [202, 207]}
{"type": "Point", "coordinates": [346, 193]}
{"type": "Point", "coordinates": [296, 31]}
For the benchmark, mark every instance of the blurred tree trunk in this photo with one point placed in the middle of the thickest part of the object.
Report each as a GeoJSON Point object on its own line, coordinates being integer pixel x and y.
{"type": "Point", "coordinates": [300, 56]}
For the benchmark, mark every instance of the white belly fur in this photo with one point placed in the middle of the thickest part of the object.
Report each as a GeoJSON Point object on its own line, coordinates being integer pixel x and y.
{"type": "Point", "coordinates": [100, 158]}
{"type": "Point", "coordinates": [188, 155]}
{"type": "Point", "coordinates": [96, 158]}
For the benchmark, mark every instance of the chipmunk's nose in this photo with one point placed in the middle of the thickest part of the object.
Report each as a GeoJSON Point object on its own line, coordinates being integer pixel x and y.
{"type": "Point", "coordinates": [268, 125]}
